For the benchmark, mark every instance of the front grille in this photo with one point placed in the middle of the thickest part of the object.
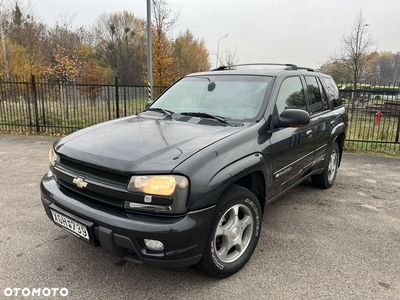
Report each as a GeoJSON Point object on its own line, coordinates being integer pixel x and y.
{"type": "Point", "coordinates": [90, 195]}
{"type": "Point", "coordinates": [118, 179]}
{"type": "Point", "coordinates": [105, 188]}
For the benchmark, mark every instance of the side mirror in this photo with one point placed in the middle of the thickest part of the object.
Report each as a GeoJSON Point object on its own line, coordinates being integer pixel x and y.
{"type": "Point", "coordinates": [148, 104]}
{"type": "Point", "coordinates": [292, 118]}
{"type": "Point", "coordinates": [337, 102]}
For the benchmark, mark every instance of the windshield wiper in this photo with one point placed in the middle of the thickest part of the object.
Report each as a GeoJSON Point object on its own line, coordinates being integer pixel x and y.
{"type": "Point", "coordinates": [206, 115]}
{"type": "Point", "coordinates": [166, 112]}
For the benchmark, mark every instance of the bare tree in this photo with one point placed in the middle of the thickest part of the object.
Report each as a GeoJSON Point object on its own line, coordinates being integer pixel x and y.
{"type": "Point", "coordinates": [164, 21]}
{"type": "Point", "coordinates": [357, 53]}
{"type": "Point", "coordinates": [231, 58]}
{"type": "Point", "coordinates": [396, 74]}
{"type": "Point", "coordinates": [3, 19]}
{"type": "Point", "coordinates": [120, 40]}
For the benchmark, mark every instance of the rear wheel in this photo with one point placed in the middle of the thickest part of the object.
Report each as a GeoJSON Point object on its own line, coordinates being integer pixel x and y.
{"type": "Point", "coordinates": [234, 233]}
{"type": "Point", "coordinates": [327, 178]}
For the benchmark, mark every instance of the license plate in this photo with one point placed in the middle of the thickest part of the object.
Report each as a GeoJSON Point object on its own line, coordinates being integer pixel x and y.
{"type": "Point", "coordinates": [70, 225]}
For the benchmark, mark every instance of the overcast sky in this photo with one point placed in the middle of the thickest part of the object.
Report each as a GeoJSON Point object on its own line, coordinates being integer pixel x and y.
{"type": "Point", "coordinates": [303, 32]}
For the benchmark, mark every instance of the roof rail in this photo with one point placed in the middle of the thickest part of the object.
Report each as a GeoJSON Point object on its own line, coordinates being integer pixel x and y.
{"type": "Point", "coordinates": [220, 68]}
{"type": "Point", "coordinates": [288, 67]}
{"type": "Point", "coordinates": [305, 68]}
{"type": "Point", "coordinates": [310, 69]}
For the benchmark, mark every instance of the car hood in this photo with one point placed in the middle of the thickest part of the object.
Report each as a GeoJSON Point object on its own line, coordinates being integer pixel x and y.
{"type": "Point", "coordinates": [140, 144]}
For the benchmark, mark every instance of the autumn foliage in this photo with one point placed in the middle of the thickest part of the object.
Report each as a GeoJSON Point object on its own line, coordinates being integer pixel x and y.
{"type": "Point", "coordinates": [65, 66]}
{"type": "Point", "coordinates": [115, 46]}
{"type": "Point", "coordinates": [92, 80]}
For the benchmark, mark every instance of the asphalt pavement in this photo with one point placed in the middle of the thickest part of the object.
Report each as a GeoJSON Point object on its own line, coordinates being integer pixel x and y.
{"type": "Point", "coordinates": [340, 243]}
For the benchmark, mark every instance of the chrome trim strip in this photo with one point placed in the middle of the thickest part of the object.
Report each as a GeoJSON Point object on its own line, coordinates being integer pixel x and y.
{"type": "Point", "coordinates": [321, 147]}
{"type": "Point", "coordinates": [295, 162]}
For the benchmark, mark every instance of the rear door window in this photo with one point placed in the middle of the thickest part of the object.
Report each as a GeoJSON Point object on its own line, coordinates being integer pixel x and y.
{"type": "Point", "coordinates": [316, 95]}
{"type": "Point", "coordinates": [332, 91]}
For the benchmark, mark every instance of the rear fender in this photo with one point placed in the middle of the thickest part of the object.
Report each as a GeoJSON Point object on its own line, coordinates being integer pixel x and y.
{"type": "Point", "coordinates": [338, 129]}
{"type": "Point", "coordinates": [338, 136]}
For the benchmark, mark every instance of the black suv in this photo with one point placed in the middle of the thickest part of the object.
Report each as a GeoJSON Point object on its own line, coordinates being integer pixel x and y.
{"type": "Point", "coordinates": [186, 181]}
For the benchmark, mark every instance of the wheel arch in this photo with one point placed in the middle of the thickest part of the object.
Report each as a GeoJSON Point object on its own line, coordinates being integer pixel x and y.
{"type": "Point", "coordinates": [338, 135]}
{"type": "Point", "coordinates": [255, 182]}
{"type": "Point", "coordinates": [251, 172]}
{"type": "Point", "coordinates": [340, 138]}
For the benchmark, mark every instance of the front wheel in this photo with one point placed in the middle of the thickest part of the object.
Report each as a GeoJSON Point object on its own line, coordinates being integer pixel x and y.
{"type": "Point", "coordinates": [234, 233]}
{"type": "Point", "coordinates": [328, 176]}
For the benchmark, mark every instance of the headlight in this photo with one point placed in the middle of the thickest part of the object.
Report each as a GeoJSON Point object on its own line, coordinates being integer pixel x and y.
{"type": "Point", "coordinates": [157, 190]}
{"type": "Point", "coordinates": [52, 157]}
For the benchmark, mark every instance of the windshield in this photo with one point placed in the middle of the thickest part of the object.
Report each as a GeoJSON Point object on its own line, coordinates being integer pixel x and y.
{"type": "Point", "coordinates": [237, 97]}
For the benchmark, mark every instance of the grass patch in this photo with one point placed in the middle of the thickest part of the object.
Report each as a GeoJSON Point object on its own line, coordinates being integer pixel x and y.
{"type": "Point", "coordinates": [365, 134]}
{"type": "Point", "coordinates": [56, 117]}
{"type": "Point", "coordinates": [352, 149]}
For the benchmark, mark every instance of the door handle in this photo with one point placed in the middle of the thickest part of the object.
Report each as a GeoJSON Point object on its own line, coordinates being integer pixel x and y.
{"type": "Point", "coordinates": [309, 133]}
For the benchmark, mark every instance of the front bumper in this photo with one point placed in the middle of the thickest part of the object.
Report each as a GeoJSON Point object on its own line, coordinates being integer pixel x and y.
{"type": "Point", "coordinates": [121, 233]}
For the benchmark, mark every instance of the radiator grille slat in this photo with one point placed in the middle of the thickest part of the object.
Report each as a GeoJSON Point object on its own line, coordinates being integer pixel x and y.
{"type": "Point", "coordinates": [107, 178]}
{"type": "Point", "coordinates": [89, 195]}
{"type": "Point", "coordinates": [93, 172]}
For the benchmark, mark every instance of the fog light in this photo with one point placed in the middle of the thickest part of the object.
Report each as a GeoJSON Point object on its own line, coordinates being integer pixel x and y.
{"type": "Point", "coordinates": [154, 245]}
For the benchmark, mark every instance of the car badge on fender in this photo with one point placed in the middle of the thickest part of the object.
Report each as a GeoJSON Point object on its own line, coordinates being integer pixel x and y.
{"type": "Point", "coordinates": [80, 182]}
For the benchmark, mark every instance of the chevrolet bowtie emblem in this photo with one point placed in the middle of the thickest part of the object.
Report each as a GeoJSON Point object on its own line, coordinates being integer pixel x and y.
{"type": "Point", "coordinates": [80, 182]}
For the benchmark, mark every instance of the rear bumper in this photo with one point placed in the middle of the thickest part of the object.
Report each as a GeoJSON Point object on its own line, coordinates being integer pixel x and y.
{"type": "Point", "coordinates": [121, 233]}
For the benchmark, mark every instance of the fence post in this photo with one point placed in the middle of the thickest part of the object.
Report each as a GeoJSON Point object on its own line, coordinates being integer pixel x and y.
{"type": "Point", "coordinates": [28, 101]}
{"type": "Point", "coordinates": [116, 97]}
{"type": "Point", "coordinates": [109, 102]}
{"type": "Point", "coordinates": [35, 104]}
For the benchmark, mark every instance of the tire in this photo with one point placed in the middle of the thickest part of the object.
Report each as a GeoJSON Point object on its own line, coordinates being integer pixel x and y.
{"type": "Point", "coordinates": [234, 233]}
{"type": "Point", "coordinates": [328, 176]}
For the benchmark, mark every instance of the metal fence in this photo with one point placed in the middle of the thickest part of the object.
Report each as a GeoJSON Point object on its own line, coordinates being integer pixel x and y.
{"type": "Point", "coordinates": [374, 116]}
{"type": "Point", "coordinates": [39, 106]}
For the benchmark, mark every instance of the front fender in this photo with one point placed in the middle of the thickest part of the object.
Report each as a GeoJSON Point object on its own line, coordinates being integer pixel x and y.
{"type": "Point", "coordinates": [237, 170]}
{"type": "Point", "coordinates": [229, 175]}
